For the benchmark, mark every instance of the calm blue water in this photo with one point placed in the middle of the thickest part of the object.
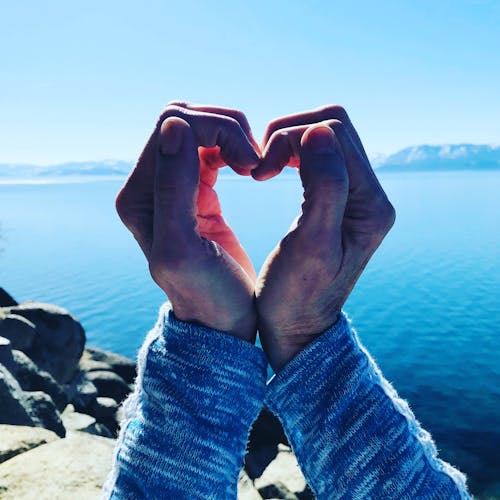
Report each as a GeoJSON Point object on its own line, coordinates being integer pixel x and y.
{"type": "Point", "coordinates": [427, 306]}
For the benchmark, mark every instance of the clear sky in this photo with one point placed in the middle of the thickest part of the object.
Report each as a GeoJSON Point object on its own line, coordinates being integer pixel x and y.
{"type": "Point", "coordinates": [86, 80]}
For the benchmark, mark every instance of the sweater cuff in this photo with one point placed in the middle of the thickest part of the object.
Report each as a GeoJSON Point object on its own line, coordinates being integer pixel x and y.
{"type": "Point", "coordinates": [186, 425]}
{"type": "Point", "coordinates": [216, 365]}
{"type": "Point", "coordinates": [301, 376]}
{"type": "Point", "coordinates": [332, 397]}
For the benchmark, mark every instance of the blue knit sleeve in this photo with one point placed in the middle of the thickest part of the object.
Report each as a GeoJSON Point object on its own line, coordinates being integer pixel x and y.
{"type": "Point", "coordinates": [352, 435]}
{"type": "Point", "coordinates": [186, 425]}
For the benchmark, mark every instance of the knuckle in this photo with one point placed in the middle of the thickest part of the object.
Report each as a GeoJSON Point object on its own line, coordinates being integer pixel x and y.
{"type": "Point", "coordinates": [231, 123]}
{"type": "Point", "coordinates": [240, 117]}
{"type": "Point", "coordinates": [273, 126]}
{"type": "Point", "coordinates": [169, 111]}
{"type": "Point", "coordinates": [334, 111]}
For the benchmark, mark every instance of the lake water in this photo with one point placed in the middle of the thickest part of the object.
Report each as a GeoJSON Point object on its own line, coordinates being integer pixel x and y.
{"type": "Point", "coordinates": [427, 306]}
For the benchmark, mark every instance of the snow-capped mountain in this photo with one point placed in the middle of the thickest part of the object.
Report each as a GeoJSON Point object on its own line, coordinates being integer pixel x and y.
{"type": "Point", "coordinates": [443, 157]}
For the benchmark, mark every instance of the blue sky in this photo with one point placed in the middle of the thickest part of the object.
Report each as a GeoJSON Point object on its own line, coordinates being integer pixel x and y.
{"type": "Point", "coordinates": [86, 80]}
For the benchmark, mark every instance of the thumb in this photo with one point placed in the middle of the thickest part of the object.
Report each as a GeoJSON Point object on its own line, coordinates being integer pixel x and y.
{"type": "Point", "coordinates": [324, 177]}
{"type": "Point", "coordinates": [175, 189]}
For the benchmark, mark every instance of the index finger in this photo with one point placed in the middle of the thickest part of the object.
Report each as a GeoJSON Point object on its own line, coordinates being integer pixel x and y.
{"type": "Point", "coordinates": [324, 113]}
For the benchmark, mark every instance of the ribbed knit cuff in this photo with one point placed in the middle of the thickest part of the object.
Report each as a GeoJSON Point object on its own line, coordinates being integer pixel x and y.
{"type": "Point", "coordinates": [352, 434]}
{"type": "Point", "coordinates": [197, 394]}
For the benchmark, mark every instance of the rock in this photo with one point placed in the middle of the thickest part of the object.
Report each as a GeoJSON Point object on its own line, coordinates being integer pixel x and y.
{"type": "Point", "coordinates": [109, 384]}
{"type": "Point", "coordinates": [265, 436]}
{"type": "Point", "coordinates": [74, 468]}
{"type": "Point", "coordinates": [121, 365]}
{"type": "Point", "coordinates": [6, 299]}
{"type": "Point", "coordinates": [267, 430]}
{"type": "Point", "coordinates": [59, 338]}
{"type": "Point", "coordinates": [6, 358]}
{"type": "Point", "coordinates": [43, 412]}
{"type": "Point", "coordinates": [282, 477]}
{"type": "Point", "coordinates": [18, 439]}
{"type": "Point", "coordinates": [12, 410]}
{"type": "Point", "coordinates": [18, 330]}
{"type": "Point", "coordinates": [18, 407]}
{"type": "Point", "coordinates": [257, 460]}
{"type": "Point", "coordinates": [81, 392]}
{"type": "Point", "coordinates": [74, 421]}
{"type": "Point", "coordinates": [87, 364]}
{"type": "Point", "coordinates": [246, 489]}
{"type": "Point", "coordinates": [277, 490]}
{"type": "Point", "coordinates": [31, 378]}
{"type": "Point", "coordinates": [104, 409]}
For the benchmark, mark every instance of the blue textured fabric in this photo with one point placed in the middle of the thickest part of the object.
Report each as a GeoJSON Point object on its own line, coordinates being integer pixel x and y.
{"type": "Point", "coordinates": [186, 425]}
{"type": "Point", "coordinates": [352, 435]}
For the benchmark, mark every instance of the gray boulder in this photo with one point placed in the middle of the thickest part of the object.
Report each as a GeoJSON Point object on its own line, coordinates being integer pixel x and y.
{"type": "Point", "coordinates": [74, 421]}
{"type": "Point", "coordinates": [18, 330]}
{"type": "Point", "coordinates": [81, 392]}
{"type": "Point", "coordinates": [121, 365]}
{"type": "Point", "coordinates": [110, 385]}
{"type": "Point", "coordinates": [59, 340]}
{"type": "Point", "coordinates": [31, 378]}
{"type": "Point", "coordinates": [18, 439]}
{"type": "Point", "coordinates": [6, 299]}
{"type": "Point", "coordinates": [12, 410]}
{"type": "Point", "coordinates": [73, 468]}
{"type": "Point", "coordinates": [43, 412]}
{"type": "Point", "coordinates": [6, 357]}
{"type": "Point", "coordinates": [283, 478]}
{"type": "Point", "coordinates": [18, 407]}
{"type": "Point", "coordinates": [246, 489]}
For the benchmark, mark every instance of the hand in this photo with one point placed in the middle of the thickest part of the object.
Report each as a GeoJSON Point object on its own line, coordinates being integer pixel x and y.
{"type": "Point", "coordinates": [171, 208]}
{"type": "Point", "coordinates": [345, 216]}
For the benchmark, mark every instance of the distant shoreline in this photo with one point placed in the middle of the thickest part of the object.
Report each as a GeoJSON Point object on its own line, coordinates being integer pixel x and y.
{"type": "Point", "coordinates": [225, 175]}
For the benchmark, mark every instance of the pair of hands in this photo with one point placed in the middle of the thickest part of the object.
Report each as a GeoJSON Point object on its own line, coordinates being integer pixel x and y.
{"type": "Point", "coordinates": [170, 206]}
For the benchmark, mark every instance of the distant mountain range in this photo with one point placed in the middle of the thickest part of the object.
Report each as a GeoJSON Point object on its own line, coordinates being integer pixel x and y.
{"type": "Point", "coordinates": [414, 158]}
{"type": "Point", "coordinates": [105, 168]}
{"type": "Point", "coordinates": [443, 157]}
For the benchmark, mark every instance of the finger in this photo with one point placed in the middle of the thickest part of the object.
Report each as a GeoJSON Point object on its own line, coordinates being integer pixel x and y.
{"type": "Point", "coordinates": [281, 149]}
{"type": "Point", "coordinates": [330, 112]}
{"type": "Point", "coordinates": [236, 114]}
{"type": "Point", "coordinates": [325, 179]}
{"type": "Point", "coordinates": [134, 203]}
{"type": "Point", "coordinates": [210, 130]}
{"type": "Point", "coordinates": [175, 192]}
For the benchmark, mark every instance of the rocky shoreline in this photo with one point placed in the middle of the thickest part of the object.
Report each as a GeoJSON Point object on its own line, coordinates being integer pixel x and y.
{"type": "Point", "coordinates": [60, 413]}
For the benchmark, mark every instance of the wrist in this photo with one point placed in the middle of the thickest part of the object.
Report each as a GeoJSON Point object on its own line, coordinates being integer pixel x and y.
{"type": "Point", "coordinates": [242, 325]}
{"type": "Point", "coordinates": [282, 343]}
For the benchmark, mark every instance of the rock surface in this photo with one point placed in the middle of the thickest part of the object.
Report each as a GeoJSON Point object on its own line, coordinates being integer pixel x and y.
{"type": "Point", "coordinates": [20, 331]}
{"type": "Point", "coordinates": [72, 468]}
{"type": "Point", "coordinates": [6, 300]}
{"type": "Point", "coordinates": [31, 378]}
{"type": "Point", "coordinates": [18, 439]}
{"type": "Point", "coordinates": [26, 408]}
{"type": "Point", "coordinates": [11, 401]}
{"type": "Point", "coordinates": [283, 478]}
{"type": "Point", "coordinates": [109, 384]}
{"type": "Point", "coordinates": [50, 369]}
{"type": "Point", "coordinates": [124, 367]}
{"type": "Point", "coordinates": [59, 339]}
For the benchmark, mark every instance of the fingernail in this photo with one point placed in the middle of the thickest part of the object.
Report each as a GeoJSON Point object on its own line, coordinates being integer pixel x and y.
{"type": "Point", "coordinates": [320, 139]}
{"type": "Point", "coordinates": [170, 137]}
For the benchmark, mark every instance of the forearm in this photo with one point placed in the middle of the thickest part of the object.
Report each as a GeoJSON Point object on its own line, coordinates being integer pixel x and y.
{"type": "Point", "coordinates": [352, 434]}
{"type": "Point", "coordinates": [186, 425]}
